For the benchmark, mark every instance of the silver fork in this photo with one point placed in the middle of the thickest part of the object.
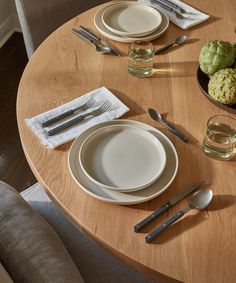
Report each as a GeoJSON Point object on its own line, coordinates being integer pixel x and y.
{"type": "Point", "coordinates": [57, 118]}
{"type": "Point", "coordinates": [103, 108]}
{"type": "Point", "coordinates": [178, 7]}
{"type": "Point", "coordinates": [172, 10]}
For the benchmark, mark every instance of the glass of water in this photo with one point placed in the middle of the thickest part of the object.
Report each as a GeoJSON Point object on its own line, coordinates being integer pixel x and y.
{"type": "Point", "coordinates": [140, 58]}
{"type": "Point", "coordinates": [220, 137]}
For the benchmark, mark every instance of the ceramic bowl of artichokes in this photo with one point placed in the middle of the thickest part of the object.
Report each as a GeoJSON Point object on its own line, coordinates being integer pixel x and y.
{"type": "Point", "coordinates": [216, 74]}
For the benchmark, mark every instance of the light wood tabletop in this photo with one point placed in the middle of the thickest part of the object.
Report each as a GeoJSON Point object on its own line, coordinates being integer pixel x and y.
{"type": "Point", "coordinates": [200, 247]}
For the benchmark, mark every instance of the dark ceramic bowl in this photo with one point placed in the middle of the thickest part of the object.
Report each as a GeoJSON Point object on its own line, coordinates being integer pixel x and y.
{"type": "Point", "coordinates": [203, 80]}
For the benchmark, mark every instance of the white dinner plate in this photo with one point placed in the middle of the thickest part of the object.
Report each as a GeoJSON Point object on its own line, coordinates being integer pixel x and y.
{"type": "Point", "coordinates": [131, 19]}
{"type": "Point", "coordinates": [158, 187]}
{"type": "Point", "coordinates": [122, 158]}
{"type": "Point", "coordinates": [107, 33]}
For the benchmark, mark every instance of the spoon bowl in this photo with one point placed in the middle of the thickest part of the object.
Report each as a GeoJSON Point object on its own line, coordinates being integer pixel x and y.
{"type": "Point", "coordinates": [201, 199]}
{"type": "Point", "coordinates": [99, 48]}
{"type": "Point", "coordinates": [180, 40]}
{"type": "Point", "coordinates": [155, 115]}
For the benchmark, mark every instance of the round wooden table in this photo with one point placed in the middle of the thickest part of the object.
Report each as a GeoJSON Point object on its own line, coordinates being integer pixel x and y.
{"type": "Point", "coordinates": [201, 246]}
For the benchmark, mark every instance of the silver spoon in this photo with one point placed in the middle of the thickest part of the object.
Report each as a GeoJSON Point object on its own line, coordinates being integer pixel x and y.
{"type": "Point", "coordinates": [180, 40]}
{"type": "Point", "coordinates": [198, 200]}
{"type": "Point", "coordinates": [99, 48]}
{"type": "Point", "coordinates": [157, 117]}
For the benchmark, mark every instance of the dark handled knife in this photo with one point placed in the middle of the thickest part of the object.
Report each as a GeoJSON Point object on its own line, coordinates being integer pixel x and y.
{"type": "Point", "coordinates": [166, 206]}
{"type": "Point", "coordinates": [97, 38]}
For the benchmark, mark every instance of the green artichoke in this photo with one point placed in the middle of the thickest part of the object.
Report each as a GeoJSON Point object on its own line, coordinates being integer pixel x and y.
{"type": "Point", "coordinates": [234, 50]}
{"type": "Point", "coordinates": [216, 55]}
{"type": "Point", "coordinates": [222, 86]}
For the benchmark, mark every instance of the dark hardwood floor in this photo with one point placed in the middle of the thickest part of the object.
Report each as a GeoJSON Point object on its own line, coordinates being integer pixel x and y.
{"type": "Point", "coordinates": [14, 168]}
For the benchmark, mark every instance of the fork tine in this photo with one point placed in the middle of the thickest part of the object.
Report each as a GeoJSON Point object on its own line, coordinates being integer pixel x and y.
{"type": "Point", "coordinates": [105, 106]}
{"type": "Point", "coordinates": [89, 103]}
{"type": "Point", "coordinates": [86, 105]}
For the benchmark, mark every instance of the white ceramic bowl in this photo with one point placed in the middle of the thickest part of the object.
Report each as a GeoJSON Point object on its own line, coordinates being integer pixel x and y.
{"type": "Point", "coordinates": [107, 33]}
{"type": "Point", "coordinates": [122, 158]}
{"type": "Point", "coordinates": [131, 19]}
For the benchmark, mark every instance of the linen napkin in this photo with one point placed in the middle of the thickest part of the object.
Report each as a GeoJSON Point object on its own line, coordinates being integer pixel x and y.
{"type": "Point", "coordinates": [197, 17]}
{"type": "Point", "coordinates": [100, 95]}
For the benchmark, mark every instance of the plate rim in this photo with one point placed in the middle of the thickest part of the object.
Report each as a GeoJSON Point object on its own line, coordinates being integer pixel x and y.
{"type": "Point", "coordinates": [134, 201]}
{"type": "Point", "coordinates": [118, 38]}
{"type": "Point", "coordinates": [133, 4]}
{"type": "Point", "coordinates": [148, 135]}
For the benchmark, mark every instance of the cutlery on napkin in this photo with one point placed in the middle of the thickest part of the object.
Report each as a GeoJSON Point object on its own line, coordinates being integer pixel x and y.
{"type": "Point", "coordinates": [192, 18]}
{"type": "Point", "coordinates": [63, 115]}
{"type": "Point", "coordinates": [95, 112]}
{"type": "Point", "coordinates": [116, 110]}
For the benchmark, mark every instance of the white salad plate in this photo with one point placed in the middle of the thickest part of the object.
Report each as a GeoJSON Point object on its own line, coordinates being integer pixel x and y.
{"type": "Point", "coordinates": [131, 19]}
{"type": "Point", "coordinates": [107, 33]}
{"type": "Point", "coordinates": [122, 158]}
{"type": "Point", "coordinates": [115, 197]}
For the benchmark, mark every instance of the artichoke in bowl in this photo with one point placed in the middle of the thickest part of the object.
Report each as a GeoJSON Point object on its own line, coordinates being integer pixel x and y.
{"type": "Point", "coordinates": [216, 55]}
{"type": "Point", "coordinates": [222, 86]}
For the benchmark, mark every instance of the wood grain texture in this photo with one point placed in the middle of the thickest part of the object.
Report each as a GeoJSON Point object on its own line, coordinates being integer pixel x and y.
{"type": "Point", "coordinates": [200, 247]}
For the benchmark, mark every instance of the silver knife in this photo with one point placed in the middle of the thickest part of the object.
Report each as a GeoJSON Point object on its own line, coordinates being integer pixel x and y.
{"type": "Point", "coordinates": [94, 36]}
{"type": "Point", "coordinates": [174, 5]}
{"type": "Point", "coordinates": [166, 206]}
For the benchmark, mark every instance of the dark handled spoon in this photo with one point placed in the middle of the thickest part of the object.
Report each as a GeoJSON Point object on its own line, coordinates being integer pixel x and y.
{"type": "Point", "coordinates": [180, 40]}
{"type": "Point", "coordinates": [157, 117]}
{"type": "Point", "coordinates": [199, 200]}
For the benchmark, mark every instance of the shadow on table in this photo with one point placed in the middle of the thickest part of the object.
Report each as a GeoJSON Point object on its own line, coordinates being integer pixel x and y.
{"type": "Point", "coordinates": [211, 20]}
{"type": "Point", "coordinates": [180, 227]}
{"type": "Point", "coordinates": [220, 202]}
{"type": "Point", "coordinates": [135, 109]}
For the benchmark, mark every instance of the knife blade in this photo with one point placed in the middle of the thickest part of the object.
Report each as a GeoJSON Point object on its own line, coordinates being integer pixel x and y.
{"type": "Point", "coordinates": [170, 203]}
{"type": "Point", "coordinates": [97, 38]}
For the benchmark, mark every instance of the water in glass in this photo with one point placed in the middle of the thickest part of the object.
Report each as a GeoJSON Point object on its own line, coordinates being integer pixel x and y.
{"type": "Point", "coordinates": [140, 59]}
{"type": "Point", "coordinates": [220, 139]}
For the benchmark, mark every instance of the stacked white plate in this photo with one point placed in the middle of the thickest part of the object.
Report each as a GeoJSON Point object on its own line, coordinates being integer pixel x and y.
{"type": "Point", "coordinates": [123, 162]}
{"type": "Point", "coordinates": [128, 21]}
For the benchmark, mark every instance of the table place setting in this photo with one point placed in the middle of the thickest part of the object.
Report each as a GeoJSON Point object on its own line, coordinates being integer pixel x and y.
{"type": "Point", "coordinates": [123, 162]}
{"type": "Point", "coordinates": [54, 127]}
{"type": "Point", "coordinates": [145, 20]}
{"type": "Point", "coordinates": [128, 21]}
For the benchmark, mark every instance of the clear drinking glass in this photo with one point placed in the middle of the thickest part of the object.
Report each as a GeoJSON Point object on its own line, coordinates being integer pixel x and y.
{"type": "Point", "coordinates": [140, 58]}
{"type": "Point", "coordinates": [220, 137]}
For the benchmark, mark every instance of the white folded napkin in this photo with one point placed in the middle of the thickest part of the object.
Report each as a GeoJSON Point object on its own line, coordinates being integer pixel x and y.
{"type": "Point", "coordinates": [197, 17]}
{"type": "Point", "coordinates": [102, 94]}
